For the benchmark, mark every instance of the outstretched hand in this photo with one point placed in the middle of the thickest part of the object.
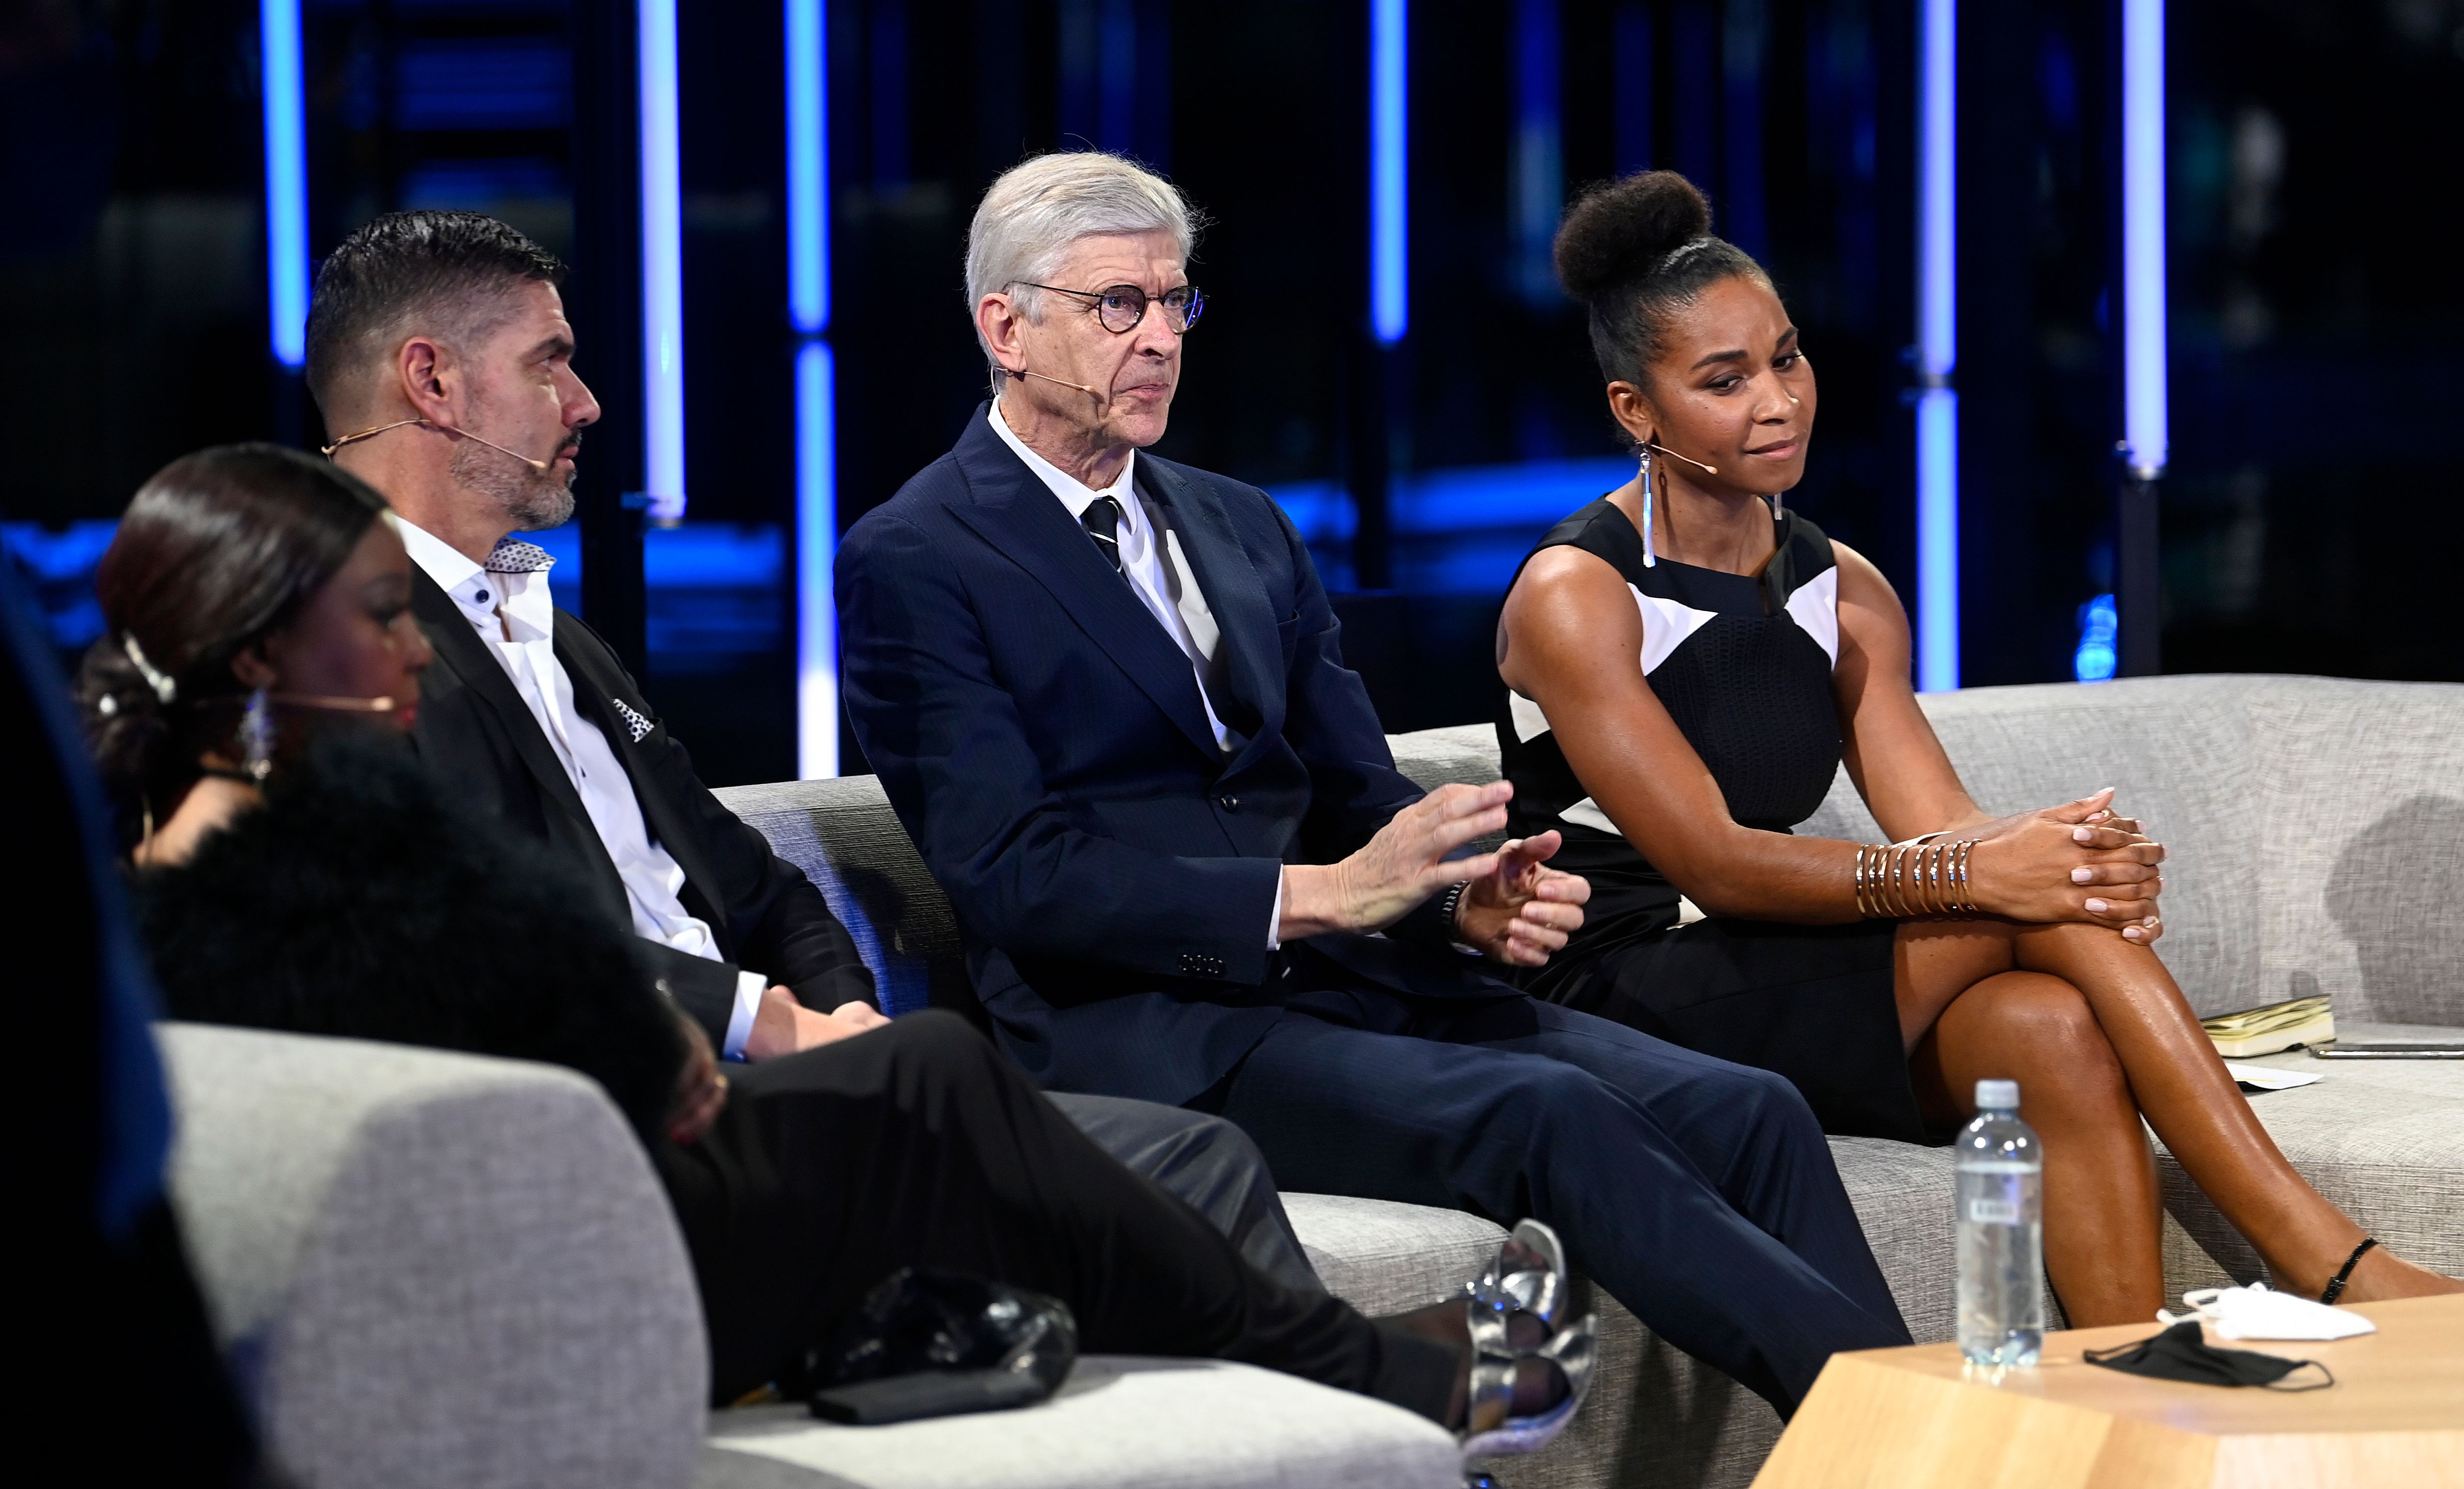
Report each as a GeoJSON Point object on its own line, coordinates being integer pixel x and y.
{"type": "Point", "coordinates": [1520, 912]}
{"type": "Point", "coordinates": [1403, 866]}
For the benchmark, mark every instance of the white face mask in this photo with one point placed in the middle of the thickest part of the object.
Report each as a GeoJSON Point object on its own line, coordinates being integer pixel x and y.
{"type": "Point", "coordinates": [2256, 1312]}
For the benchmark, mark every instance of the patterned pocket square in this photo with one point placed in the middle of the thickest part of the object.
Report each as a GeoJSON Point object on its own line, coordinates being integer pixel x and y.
{"type": "Point", "coordinates": [633, 721]}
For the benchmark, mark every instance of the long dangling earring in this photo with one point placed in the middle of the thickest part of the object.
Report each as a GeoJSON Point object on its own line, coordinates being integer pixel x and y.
{"type": "Point", "coordinates": [257, 738]}
{"type": "Point", "coordinates": [1650, 559]}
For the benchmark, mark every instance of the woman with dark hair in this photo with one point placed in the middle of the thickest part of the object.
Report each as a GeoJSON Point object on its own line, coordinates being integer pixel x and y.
{"type": "Point", "coordinates": [250, 590]}
{"type": "Point", "coordinates": [305, 877]}
{"type": "Point", "coordinates": [1689, 662]}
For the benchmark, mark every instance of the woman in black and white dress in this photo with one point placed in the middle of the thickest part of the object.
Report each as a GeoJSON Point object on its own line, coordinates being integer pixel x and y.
{"type": "Point", "coordinates": [1687, 662]}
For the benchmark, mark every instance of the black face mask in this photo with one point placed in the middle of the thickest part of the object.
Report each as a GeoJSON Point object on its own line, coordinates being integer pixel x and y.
{"type": "Point", "coordinates": [2182, 1353]}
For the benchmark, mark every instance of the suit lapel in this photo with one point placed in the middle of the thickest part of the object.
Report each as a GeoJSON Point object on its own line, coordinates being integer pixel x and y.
{"type": "Point", "coordinates": [460, 652]}
{"type": "Point", "coordinates": [1242, 617]}
{"type": "Point", "coordinates": [1028, 523]}
{"type": "Point", "coordinates": [596, 684]}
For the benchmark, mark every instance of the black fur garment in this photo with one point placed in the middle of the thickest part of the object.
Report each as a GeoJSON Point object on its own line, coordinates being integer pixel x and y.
{"type": "Point", "coordinates": [356, 903]}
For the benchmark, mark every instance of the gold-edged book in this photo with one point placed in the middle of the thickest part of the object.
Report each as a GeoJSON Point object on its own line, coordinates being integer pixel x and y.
{"type": "Point", "coordinates": [2278, 1026]}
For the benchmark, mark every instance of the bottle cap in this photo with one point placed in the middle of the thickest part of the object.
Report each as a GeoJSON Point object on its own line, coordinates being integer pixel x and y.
{"type": "Point", "coordinates": [1998, 1096]}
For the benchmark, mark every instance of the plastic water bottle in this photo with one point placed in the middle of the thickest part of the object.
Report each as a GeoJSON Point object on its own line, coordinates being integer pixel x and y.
{"type": "Point", "coordinates": [2001, 1232]}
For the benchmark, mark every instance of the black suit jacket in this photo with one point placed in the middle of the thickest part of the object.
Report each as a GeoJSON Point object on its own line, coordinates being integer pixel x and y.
{"type": "Point", "coordinates": [1045, 744]}
{"type": "Point", "coordinates": [480, 742]}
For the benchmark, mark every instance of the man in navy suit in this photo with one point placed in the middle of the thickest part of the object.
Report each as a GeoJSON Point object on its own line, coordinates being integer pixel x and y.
{"type": "Point", "coordinates": [438, 351]}
{"type": "Point", "coordinates": [1105, 694]}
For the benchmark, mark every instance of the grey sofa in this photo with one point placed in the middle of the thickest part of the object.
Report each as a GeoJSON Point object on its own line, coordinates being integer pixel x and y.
{"type": "Point", "coordinates": [434, 1269]}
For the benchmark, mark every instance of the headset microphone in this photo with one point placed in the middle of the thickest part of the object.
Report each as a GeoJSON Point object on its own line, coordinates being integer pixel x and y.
{"type": "Point", "coordinates": [1688, 459]}
{"type": "Point", "coordinates": [539, 466]}
{"type": "Point", "coordinates": [1080, 386]}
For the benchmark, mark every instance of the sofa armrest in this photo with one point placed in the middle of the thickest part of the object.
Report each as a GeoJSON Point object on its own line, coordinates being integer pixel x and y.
{"type": "Point", "coordinates": [430, 1268]}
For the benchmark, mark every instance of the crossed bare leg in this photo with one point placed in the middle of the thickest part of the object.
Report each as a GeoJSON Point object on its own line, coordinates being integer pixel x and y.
{"type": "Point", "coordinates": [2097, 1032]}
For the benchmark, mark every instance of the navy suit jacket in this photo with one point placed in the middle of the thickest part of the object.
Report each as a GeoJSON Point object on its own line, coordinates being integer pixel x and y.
{"type": "Point", "coordinates": [1045, 743]}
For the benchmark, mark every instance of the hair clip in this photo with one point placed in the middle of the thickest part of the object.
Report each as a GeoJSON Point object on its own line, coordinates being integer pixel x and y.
{"type": "Point", "coordinates": [163, 686]}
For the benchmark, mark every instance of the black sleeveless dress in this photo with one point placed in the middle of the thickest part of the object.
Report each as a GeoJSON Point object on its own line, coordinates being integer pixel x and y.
{"type": "Point", "coordinates": [1743, 665]}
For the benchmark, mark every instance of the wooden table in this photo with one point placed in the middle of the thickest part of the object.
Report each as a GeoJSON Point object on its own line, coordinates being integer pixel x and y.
{"type": "Point", "coordinates": [1919, 1419]}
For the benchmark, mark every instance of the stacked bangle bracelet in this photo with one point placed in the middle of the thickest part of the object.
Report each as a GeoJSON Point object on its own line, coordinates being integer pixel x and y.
{"type": "Point", "coordinates": [1923, 876]}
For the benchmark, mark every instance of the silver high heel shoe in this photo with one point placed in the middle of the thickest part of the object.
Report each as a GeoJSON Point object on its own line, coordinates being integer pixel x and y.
{"type": "Point", "coordinates": [1515, 1312]}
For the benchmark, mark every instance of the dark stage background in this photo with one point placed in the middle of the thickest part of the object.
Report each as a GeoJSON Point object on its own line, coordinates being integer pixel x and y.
{"type": "Point", "coordinates": [2311, 316]}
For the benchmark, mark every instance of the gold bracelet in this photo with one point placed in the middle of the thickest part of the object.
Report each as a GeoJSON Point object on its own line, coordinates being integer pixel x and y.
{"type": "Point", "coordinates": [1881, 884]}
{"type": "Point", "coordinates": [1916, 879]}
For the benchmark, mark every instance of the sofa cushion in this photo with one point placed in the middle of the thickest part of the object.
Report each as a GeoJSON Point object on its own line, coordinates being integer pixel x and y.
{"type": "Point", "coordinates": [1160, 1424]}
{"type": "Point", "coordinates": [1382, 1257]}
{"type": "Point", "coordinates": [434, 1269]}
{"type": "Point", "coordinates": [2384, 1140]}
{"type": "Point", "coordinates": [2361, 851]}
{"type": "Point", "coordinates": [842, 833]}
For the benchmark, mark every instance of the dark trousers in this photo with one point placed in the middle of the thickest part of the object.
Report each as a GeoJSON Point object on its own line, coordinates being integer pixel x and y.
{"type": "Point", "coordinates": [1701, 1194]}
{"type": "Point", "coordinates": [919, 1145]}
{"type": "Point", "coordinates": [1207, 1164]}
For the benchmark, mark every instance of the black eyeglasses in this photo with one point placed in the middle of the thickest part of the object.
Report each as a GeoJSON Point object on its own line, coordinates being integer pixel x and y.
{"type": "Point", "coordinates": [1123, 307]}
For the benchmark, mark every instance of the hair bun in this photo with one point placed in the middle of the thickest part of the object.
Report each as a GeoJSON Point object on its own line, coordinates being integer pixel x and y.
{"type": "Point", "coordinates": [1617, 230]}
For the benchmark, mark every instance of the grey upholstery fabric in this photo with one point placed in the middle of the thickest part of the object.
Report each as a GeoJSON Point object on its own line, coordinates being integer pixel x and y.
{"type": "Point", "coordinates": [1386, 1257]}
{"type": "Point", "coordinates": [844, 835]}
{"type": "Point", "coordinates": [435, 1269]}
{"type": "Point", "coordinates": [1168, 1424]}
{"type": "Point", "coordinates": [2362, 848]}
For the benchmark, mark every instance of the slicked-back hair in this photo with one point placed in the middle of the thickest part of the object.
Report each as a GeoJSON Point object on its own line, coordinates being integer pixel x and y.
{"type": "Point", "coordinates": [410, 271]}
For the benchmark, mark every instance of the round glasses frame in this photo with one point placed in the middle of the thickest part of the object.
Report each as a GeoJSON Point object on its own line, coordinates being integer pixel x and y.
{"type": "Point", "coordinates": [1122, 308]}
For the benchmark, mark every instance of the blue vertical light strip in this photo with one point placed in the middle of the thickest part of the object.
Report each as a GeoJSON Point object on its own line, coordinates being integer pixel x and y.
{"type": "Point", "coordinates": [1937, 541]}
{"type": "Point", "coordinates": [808, 311]}
{"type": "Point", "coordinates": [808, 239]}
{"type": "Point", "coordinates": [663, 269]}
{"type": "Point", "coordinates": [286, 181]}
{"type": "Point", "coordinates": [1390, 284]}
{"type": "Point", "coordinates": [2145, 413]}
{"type": "Point", "coordinates": [817, 541]}
{"type": "Point", "coordinates": [1938, 353]}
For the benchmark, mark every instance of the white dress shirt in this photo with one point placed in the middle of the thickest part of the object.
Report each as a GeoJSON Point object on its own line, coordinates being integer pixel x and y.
{"type": "Point", "coordinates": [515, 618]}
{"type": "Point", "coordinates": [1160, 575]}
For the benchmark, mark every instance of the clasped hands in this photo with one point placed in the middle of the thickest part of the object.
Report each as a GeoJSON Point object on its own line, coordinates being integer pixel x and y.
{"type": "Point", "coordinates": [1517, 910]}
{"type": "Point", "coordinates": [2077, 862]}
{"type": "Point", "coordinates": [780, 1027]}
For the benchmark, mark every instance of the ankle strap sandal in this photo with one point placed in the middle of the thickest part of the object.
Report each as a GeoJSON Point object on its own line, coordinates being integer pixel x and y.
{"type": "Point", "coordinates": [1515, 1311]}
{"type": "Point", "coordinates": [2336, 1288]}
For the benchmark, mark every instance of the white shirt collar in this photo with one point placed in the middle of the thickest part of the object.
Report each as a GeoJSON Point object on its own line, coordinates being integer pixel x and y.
{"type": "Point", "coordinates": [447, 565]}
{"type": "Point", "coordinates": [521, 602]}
{"type": "Point", "coordinates": [1074, 494]}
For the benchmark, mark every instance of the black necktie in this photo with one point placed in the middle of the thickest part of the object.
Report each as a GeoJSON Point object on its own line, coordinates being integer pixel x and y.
{"type": "Point", "coordinates": [1102, 520]}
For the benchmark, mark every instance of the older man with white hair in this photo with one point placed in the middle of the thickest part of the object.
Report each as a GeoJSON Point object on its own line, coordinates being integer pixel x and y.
{"type": "Point", "coordinates": [1105, 693]}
